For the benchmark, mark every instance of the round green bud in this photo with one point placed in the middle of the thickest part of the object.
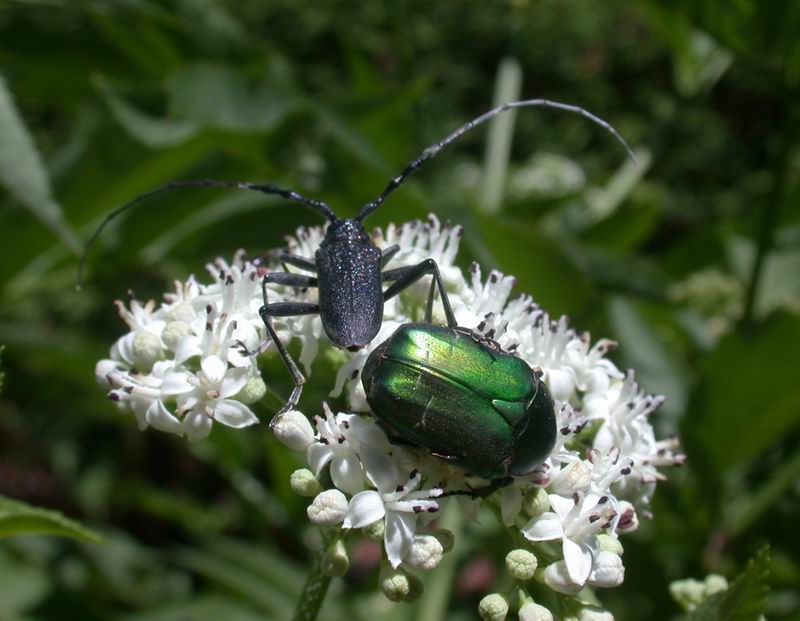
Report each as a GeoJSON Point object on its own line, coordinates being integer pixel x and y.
{"type": "Point", "coordinates": [609, 544]}
{"type": "Point", "coordinates": [335, 561]}
{"type": "Point", "coordinates": [426, 552]}
{"type": "Point", "coordinates": [535, 502]}
{"type": "Point", "coordinates": [328, 508]}
{"type": "Point", "coordinates": [399, 585]}
{"type": "Point", "coordinates": [445, 537]}
{"type": "Point", "coordinates": [493, 607]}
{"type": "Point", "coordinates": [521, 564]}
{"type": "Point", "coordinates": [173, 332]}
{"type": "Point", "coordinates": [254, 390]}
{"type": "Point", "coordinates": [304, 483]}
{"type": "Point", "coordinates": [374, 531]}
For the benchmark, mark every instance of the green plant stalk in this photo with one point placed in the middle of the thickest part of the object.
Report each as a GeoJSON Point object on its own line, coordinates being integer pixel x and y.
{"type": "Point", "coordinates": [769, 218]}
{"type": "Point", "coordinates": [317, 583]}
{"type": "Point", "coordinates": [433, 604]}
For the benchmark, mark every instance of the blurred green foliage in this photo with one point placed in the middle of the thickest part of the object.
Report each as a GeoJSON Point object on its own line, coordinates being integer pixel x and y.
{"type": "Point", "coordinates": [691, 261]}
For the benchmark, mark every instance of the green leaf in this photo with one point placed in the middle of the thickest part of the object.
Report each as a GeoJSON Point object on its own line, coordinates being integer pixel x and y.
{"type": "Point", "coordinates": [18, 518]}
{"type": "Point", "coordinates": [150, 131]}
{"type": "Point", "coordinates": [750, 395]}
{"type": "Point", "coordinates": [744, 600]}
{"type": "Point", "coordinates": [23, 173]}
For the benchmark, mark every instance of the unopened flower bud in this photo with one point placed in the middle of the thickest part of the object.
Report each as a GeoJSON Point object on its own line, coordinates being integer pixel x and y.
{"type": "Point", "coordinates": [254, 390]}
{"type": "Point", "coordinates": [446, 538]}
{"type": "Point", "coordinates": [328, 508]}
{"type": "Point", "coordinates": [335, 561]}
{"type": "Point", "coordinates": [426, 552]}
{"type": "Point", "coordinates": [173, 332]}
{"type": "Point", "coordinates": [374, 531]}
{"type": "Point", "coordinates": [304, 483]}
{"type": "Point", "coordinates": [594, 613]}
{"type": "Point", "coordinates": [557, 578]}
{"type": "Point", "coordinates": [609, 543]}
{"type": "Point", "coordinates": [715, 583]}
{"type": "Point", "coordinates": [182, 312]}
{"type": "Point", "coordinates": [399, 585]}
{"type": "Point", "coordinates": [521, 564]}
{"type": "Point", "coordinates": [146, 349]}
{"type": "Point", "coordinates": [294, 430]}
{"type": "Point", "coordinates": [102, 370]}
{"type": "Point", "coordinates": [688, 593]}
{"type": "Point", "coordinates": [607, 570]}
{"type": "Point", "coordinates": [493, 607]}
{"type": "Point", "coordinates": [534, 612]}
{"type": "Point", "coordinates": [535, 501]}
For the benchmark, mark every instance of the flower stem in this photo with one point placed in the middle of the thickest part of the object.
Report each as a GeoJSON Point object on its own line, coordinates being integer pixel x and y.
{"type": "Point", "coordinates": [316, 586]}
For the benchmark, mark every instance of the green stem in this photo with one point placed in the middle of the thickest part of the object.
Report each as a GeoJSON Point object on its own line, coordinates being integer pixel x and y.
{"type": "Point", "coordinates": [316, 586]}
{"type": "Point", "coordinates": [439, 588]}
{"type": "Point", "coordinates": [769, 218]}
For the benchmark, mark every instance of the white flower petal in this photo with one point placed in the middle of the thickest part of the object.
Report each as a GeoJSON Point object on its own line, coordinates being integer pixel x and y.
{"type": "Point", "coordinates": [233, 382]}
{"type": "Point", "coordinates": [214, 368]}
{"type": "Point", "coordinates": [347, 474]}
{"type": "Point", "coordinates": [578, 559]}
{"type": "Point", "coordinates": [562, 506]}
{"type": "Point", "coordinates": [380, 468]}
{"type": "Point", "coordinates": [234, 414]}
{"type": "Point", "coordinates": [187, 347]}
{"type": "Point", "coordinates": [176, 383]}
{"type": "Point", "coordinates": [544, 527]}
{"type": "Point", "coordinates": [196, 425]}
{"type": "Point", "coordinates": [162, 419]}
{"type": "Point", "coordinates": [399, 536]}
{"type": "Point", "coordinates": [318, 456]}
{"type": "Point", "coordinates": [364, 509]}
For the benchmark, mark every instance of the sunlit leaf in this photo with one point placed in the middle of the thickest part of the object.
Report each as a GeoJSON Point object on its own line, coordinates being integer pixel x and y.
{"type": "Point", "coordinates": [19, 518]}
{"type": "Point", "coordinates": [23, 173]}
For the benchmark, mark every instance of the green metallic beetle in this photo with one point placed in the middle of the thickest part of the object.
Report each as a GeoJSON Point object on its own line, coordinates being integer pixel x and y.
{"type": "Point", "coordinates": [459, 394]}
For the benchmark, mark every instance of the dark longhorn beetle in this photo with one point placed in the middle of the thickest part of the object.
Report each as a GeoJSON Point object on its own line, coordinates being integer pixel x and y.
{"type": "Point", "coordinates": [348, 265]}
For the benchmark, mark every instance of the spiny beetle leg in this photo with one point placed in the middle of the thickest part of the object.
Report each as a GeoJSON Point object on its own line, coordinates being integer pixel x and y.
{"type": "Point", "coordinates": [288, 361]}
{"type": "Point", "coordinates": [388, 254]}
{"type": "Point", "coordinates": [404, 277]}
{"type": "Point", "coordinates": [291, 279]}
{"type": "Point", "coordinates": [482, 492]}
{"type": "Point", "coordinates": [287, 258]}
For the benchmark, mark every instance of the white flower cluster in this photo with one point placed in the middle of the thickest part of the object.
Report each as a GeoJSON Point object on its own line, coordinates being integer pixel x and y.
{"type": "Point", "coordinates": [182, 366]}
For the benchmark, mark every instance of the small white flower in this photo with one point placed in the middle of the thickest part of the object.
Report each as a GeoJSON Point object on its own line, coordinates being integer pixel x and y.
{"type": "Point", "coordinates": [340, 440]}
{"type": "Point", "coordinates": [328, 508]}
{"type": "Point", "coordinates": [576, 522]}
{"type": "Point", "coordinates": [210, 399]}
{"type": "Point", "coordinates": [399, 503]}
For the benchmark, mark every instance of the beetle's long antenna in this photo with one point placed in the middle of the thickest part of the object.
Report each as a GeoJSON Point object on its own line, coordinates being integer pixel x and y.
{"type": "Point", "coordinates": [434, 149]}
{"type": "Point", "coordinates": [266, 188]}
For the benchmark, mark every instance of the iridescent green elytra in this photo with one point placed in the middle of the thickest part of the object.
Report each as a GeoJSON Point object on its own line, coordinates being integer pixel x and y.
{"type": "Point", "coordinates": [463, 397]}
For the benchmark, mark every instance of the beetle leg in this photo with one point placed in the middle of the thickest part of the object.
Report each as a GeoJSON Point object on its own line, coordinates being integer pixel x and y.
{"type": "Point", "coordinates": [388, 253]}
{"type": "Point", "coordinates": [481, 492]}
{"type": "Point", "coordinates": [267, 311]}
{"type": "Point", "coordinates": [404, 277]}
{"type": "Point", "coordinates": [284, 257]}
{"type": "Point", "coordinates": [291, 279]}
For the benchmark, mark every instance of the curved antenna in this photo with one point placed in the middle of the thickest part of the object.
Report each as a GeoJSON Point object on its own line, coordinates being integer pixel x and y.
{"type": "Point", "coordinates": [266, 188]}
{"type": "Point", "coordinates": [434, 149]}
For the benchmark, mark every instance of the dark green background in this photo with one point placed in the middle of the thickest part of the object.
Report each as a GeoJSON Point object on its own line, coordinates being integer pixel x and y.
{"type": "Point", "coordinates": [333, 99]}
